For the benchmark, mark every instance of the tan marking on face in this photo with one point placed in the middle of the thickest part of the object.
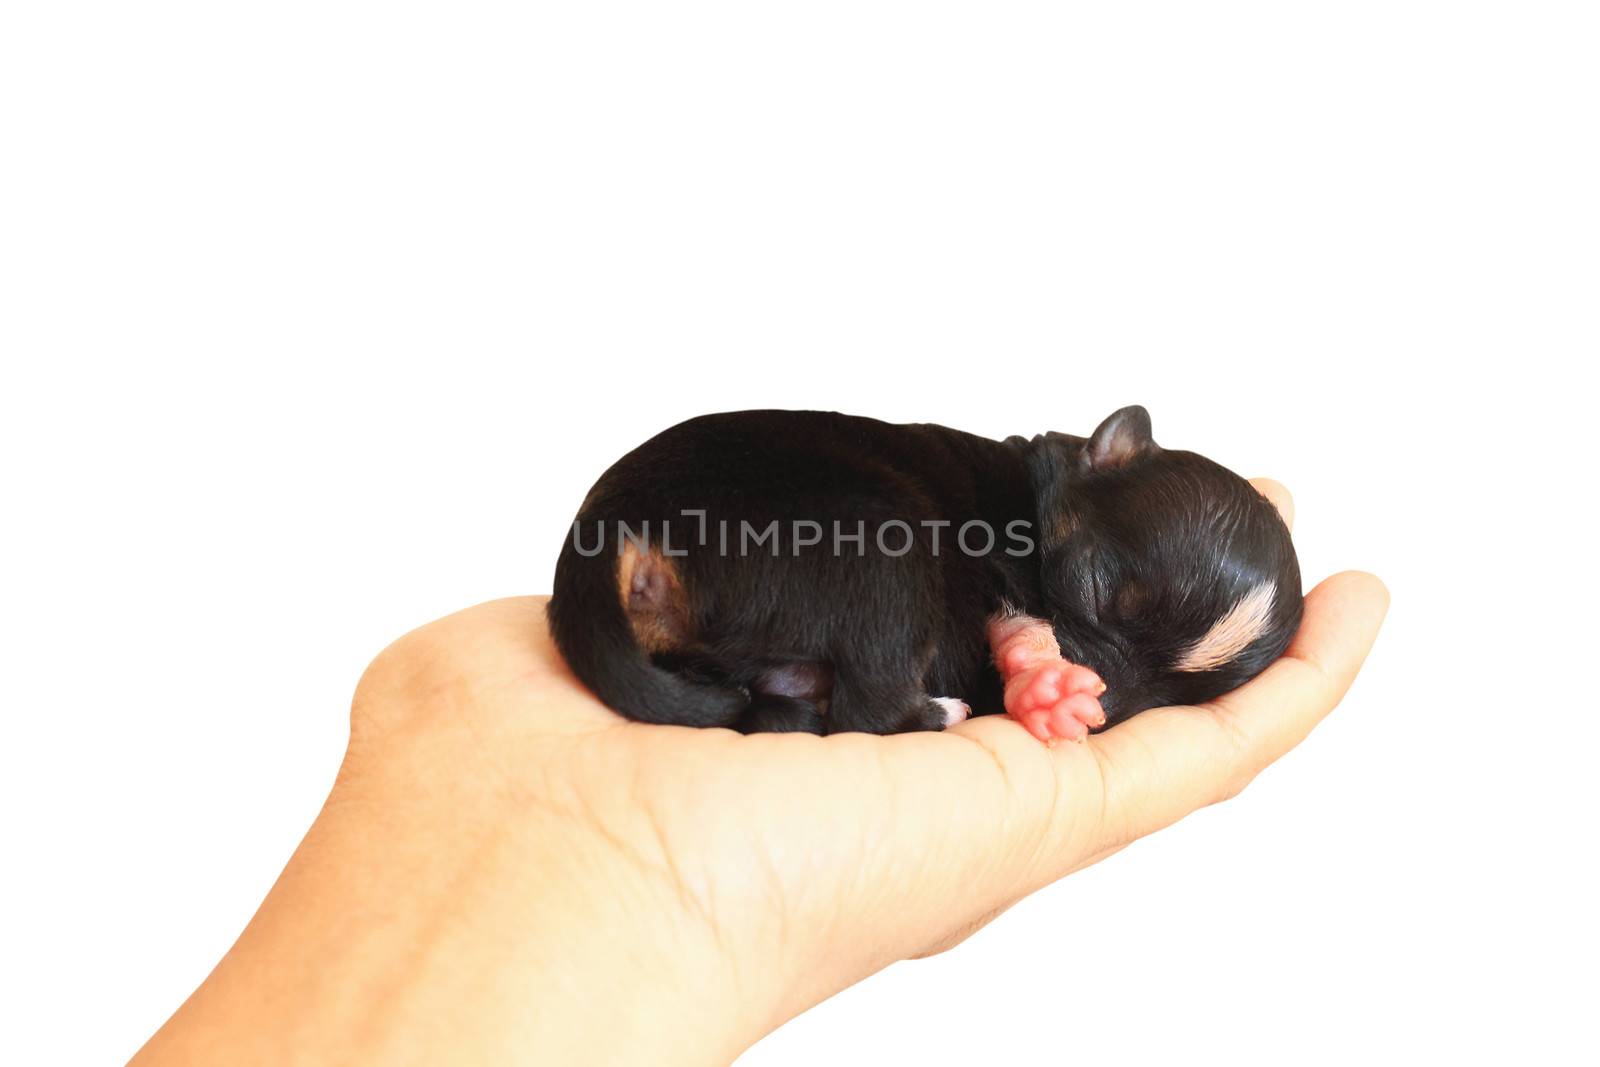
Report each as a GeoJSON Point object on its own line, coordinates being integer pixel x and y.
{"type": "Point", "coordinates": [654, 599]}
{"type": "Point", "coordinates": [1233, 633]}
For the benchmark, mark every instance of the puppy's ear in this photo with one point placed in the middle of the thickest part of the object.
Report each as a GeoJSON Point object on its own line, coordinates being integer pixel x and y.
{"type": "Point", "coordinates": [1122, 438]}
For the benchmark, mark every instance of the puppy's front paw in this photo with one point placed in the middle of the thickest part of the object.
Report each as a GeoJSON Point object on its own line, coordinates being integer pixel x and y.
{"type": "Point", "coordinates": [1056, 699]}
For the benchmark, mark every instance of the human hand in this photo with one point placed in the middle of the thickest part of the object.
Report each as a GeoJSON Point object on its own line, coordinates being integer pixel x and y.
{"type": "Point", "coordinates": [506, 870]}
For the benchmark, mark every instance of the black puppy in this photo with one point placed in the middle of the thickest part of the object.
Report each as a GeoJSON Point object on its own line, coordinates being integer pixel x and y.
{"type": "Point", "coordinates": [802, 570]}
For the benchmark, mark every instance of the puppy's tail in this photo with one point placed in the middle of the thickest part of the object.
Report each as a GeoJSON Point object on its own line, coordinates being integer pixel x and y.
{"type": "Point", "coordinates": [595, 634]}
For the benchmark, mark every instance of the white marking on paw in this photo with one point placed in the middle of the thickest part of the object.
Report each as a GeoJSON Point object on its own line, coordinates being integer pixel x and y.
{"type": "Point", "coordinates": [954, 710]}
{"type": "Point", "coordinates": [1233, 633]}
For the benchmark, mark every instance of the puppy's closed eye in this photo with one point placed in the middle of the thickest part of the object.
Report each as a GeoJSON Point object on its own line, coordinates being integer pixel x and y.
{"type": "Point", "coordinates": [1130, 600]}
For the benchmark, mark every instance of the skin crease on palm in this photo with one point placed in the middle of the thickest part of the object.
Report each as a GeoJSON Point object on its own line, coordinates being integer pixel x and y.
{"type": "Point", "coordinates": [508, 872]}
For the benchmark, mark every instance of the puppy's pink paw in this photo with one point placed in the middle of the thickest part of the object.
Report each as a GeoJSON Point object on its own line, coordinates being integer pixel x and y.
{"type": "Point", "coordinates": [1056, 699]}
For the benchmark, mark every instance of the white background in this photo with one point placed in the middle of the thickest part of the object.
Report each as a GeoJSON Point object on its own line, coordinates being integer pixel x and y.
{"type": "Point", "coordinates": [318, 320]}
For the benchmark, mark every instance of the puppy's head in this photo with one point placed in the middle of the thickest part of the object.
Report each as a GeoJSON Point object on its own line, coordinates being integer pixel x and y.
{"type": "Point", "coordinates": [1169, 575]}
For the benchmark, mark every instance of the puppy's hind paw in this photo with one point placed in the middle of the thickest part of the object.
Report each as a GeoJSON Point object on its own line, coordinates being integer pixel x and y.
{"type": "Point", "coordinates": [954, 710]}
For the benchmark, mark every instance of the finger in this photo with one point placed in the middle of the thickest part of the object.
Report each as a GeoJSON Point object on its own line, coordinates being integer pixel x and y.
{"type": "Point", "coordinates": [1167, 762]}
{"type": "Point", "coordinates": [1278, 493]}
{"type": "Point", "coordinates": [1063, 805]}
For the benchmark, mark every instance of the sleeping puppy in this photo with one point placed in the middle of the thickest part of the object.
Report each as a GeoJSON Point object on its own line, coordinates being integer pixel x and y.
{"type": "Point", "coordinates": [806, 570]}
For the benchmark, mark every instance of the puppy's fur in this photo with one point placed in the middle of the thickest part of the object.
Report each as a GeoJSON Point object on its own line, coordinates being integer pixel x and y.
{"type": "Point", "coordinates": [1168, 575]}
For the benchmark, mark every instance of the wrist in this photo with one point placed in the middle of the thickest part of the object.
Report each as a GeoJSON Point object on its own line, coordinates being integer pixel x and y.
{"type": "Point", "coordinates": [451, 924]}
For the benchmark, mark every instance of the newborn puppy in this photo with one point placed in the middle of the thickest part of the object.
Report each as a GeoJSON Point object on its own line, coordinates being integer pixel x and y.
{"type": "Point", "coordinates": [804, 570]}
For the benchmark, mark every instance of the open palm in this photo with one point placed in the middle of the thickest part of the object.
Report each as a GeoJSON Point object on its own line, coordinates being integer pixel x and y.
{"type": "Point", "coordinates": [766, 872]}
